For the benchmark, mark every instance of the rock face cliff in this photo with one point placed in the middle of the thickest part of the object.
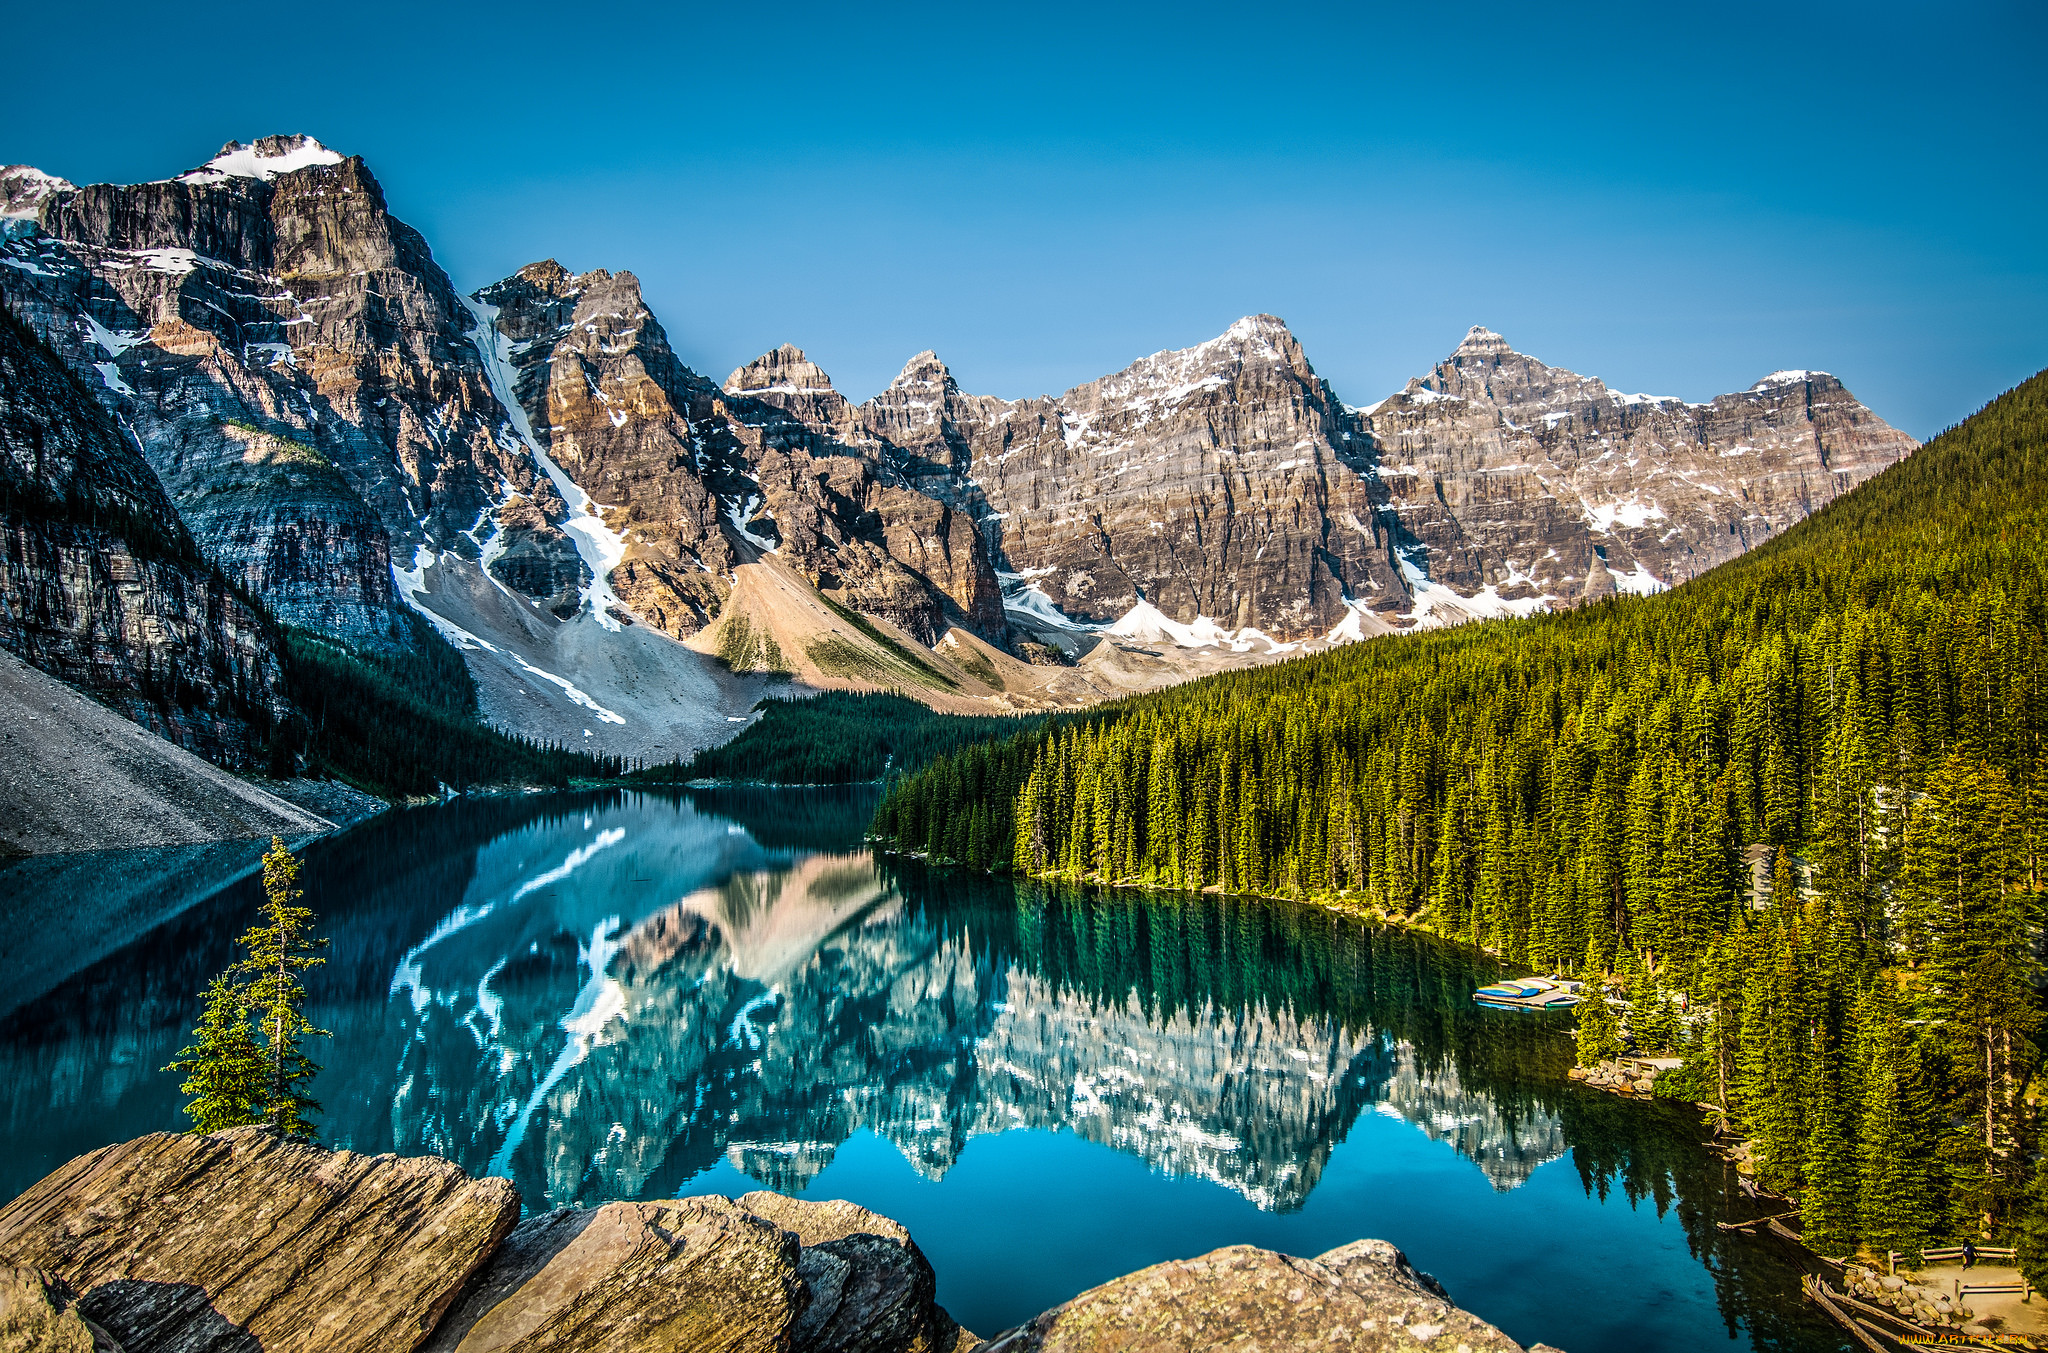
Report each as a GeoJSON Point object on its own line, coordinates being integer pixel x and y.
{"type": "Point", "coordinates": [1517, 480]}
{"type": "Point", "coordinates": [323, 408]}
{"type": "Point", "coordinates": [696, 479]}
{"type": "Point", "coordinates": [292, 361]}
{"type": "Point", "coordinates": [1223, 488]}
{"type": "Point", "coordinates": [102, 586]}
{"type": "Point", "coordinates": [1208, 483]}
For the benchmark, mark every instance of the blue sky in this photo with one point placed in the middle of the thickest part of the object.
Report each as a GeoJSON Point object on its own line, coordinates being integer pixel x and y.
{"type": "Point", "coordinates": [1678, 202]}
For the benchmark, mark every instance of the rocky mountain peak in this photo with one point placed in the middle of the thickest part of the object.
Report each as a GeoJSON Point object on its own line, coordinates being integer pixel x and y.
{"type": "Point", "coordinates": [922, 370]}
{"type": "Point", "coordinates": [1485, 369]}
{"type": "Point", "coordinates": [1256, 342]}
{"type": "Point", "coordinates": [1778, 378]}
{"type": "Point", "coordinates": [615, 294]}
{"type": "Point", "coordinates": [1259, 326]}
{"type": "Point", "coordinates": [264, 158]}
{"type": "Point", "coordinates": [1259, 336]}
{"type": "Point", "coordinates": [783, 371]}
{"type": "Point", "coordinates": [549, 277]}
{"type": "Point", "coordinates": [1481, 341]}
{"type": "Point", "coordinates": [23, 189]}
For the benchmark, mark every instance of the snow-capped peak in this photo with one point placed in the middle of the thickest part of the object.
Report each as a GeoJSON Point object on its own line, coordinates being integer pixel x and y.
{"type": "Point", "coordinates": [23, 188]}
{"type": "Point", "coordinates": [1256, 336]}
{"type": "Point", "coordinates": [1786, 378]}
{"type": "Point", "coordinates": [264, 159]}
{"type": "Point", "coordinates": [1257, 326]}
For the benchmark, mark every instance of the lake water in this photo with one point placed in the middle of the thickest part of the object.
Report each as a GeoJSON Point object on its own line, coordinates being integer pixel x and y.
{"type": "Point", "coordinates": [616, 995]}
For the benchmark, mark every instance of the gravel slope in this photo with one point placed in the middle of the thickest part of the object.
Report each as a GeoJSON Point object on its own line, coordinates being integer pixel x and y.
{"type": "Point", "coordinates": [74, 775]}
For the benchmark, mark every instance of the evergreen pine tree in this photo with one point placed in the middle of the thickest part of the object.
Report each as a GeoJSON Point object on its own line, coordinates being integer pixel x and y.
{"type": "Point", "coordinates": [2030, 1234]}
{"type": "Point", "coordinates": [1898, 1200]}
{"type": "Point", "coordinates": [279, 950]}
{"type": "Point", "coordinates": [1599, 1035]}
{"type": "Point", "coordinates": [224, 1070]}
{"type": "Point", "coordinates": [1828, 1202]}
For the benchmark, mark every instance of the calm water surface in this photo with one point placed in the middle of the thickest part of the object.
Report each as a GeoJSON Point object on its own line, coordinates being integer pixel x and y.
{"type": "Point", "coordinates": [645, 996]}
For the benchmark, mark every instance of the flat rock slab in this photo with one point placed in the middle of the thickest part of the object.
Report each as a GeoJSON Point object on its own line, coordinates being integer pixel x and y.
{"type": "Point", "coordinates": [700, 1274]}
{"type": "Point", "coordinates": [238, 1241]}
{"type": "Point", "coordinates": [1362, 1296]}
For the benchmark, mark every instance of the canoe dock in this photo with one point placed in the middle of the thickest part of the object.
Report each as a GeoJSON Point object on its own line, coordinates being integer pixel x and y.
{"type": "Point", "coordinates": [1530, 993]}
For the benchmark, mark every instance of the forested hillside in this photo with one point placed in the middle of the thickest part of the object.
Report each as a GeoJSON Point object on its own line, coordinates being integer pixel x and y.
{"type": "Point", "coordinates": [837, 738]}
{"type": "Point", "coordinates": [406, 722]}
{"type": "Point", "coordinates": [1858, 707]}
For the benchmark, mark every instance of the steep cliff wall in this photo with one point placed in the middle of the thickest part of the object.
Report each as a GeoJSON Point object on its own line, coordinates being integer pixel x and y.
{"type": "Point", "coordinates": [1202, 495]}
{"type": "Point", "coordinates": [101, 585]}
{"type": "Point", "coordinates": [1534, 481]}
{"type": "Point", "coordinates": [288, 357]}
{"type": "Point", "coordinates": [697, 480]}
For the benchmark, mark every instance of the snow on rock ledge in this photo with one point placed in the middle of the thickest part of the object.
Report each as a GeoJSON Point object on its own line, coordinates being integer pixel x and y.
{"type": "Point", "coordinates": [264, 159]}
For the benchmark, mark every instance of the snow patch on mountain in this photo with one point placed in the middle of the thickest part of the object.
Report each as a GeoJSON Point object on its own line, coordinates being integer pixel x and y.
{"type": "Point", "coordinates": [412, 585]}
{"type": "Point", "coordinates": [601, 547]}
{"type": "Point", "coordinates": [1641, 582]}
{"type": "Point", "coordinates": [1025, 600]}
{"type": "Point", "coordinates": [264, 160]}
{"type": "Point", "coordinates": [1437, 605]}
{"type": "Point", "coordinates": [1632, 515]}
{"type": "Point", "coordinates": [1786, 378]}
{"type": "Point", "coordinates": [24, 188]}
{"type": "Point", "coordinates": [1148, 624]}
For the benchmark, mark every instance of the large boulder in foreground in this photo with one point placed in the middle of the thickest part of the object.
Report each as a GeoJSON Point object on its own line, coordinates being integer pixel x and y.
{"type": "Point", "coordinates": [238, 1241]}
{"type": "Point", "coordinates": [766, 1274]}
{"type": "Point", "coordinates": [699, 1273]}
{"type": "Point", "coordinates": [872, 1291]}
{"type": "Point", "coordinates": [1363, 1297]}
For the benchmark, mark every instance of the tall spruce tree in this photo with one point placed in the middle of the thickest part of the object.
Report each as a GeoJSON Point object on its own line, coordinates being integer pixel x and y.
{"type": "Point", "coordinates": [1599, 1034]}
{"type": "Point", "coordinates": [1900, 1204]}
{"type": "Point", "coordinates": [2030, 1236]}
{"type": "Point", "coordinates": [281, 948]}
{"type": "Point", "coordinates": [1828, 1202]}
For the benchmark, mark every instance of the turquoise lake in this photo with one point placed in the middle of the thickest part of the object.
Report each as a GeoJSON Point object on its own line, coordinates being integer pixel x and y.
{"type": "Point", "coordinates": [635, 995]}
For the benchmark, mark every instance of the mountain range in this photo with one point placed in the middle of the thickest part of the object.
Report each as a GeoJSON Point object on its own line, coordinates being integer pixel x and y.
{"type": "Point", "coordinates": [629, 553]}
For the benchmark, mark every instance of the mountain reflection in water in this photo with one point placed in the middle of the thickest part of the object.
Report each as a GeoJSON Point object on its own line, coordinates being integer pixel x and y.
{"type": "Point", "coordinates": [767, 1017]}
{"type": "Point", "coordinates": [641, 995]}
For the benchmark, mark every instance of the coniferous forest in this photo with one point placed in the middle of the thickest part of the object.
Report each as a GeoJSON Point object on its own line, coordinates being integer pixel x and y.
{"type": "Point", "coordinates": [406, 722]}
{"type": "Point", "coordinates": [1794, 810]}
{"type": "Point", "coordinates": [836, 738]}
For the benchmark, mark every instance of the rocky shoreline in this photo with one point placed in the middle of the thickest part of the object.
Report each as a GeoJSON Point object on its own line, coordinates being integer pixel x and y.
{"type": "Point", "coordinates": [239, 1241]}
{"type": "Point", "coordinates": [1631, 1077]}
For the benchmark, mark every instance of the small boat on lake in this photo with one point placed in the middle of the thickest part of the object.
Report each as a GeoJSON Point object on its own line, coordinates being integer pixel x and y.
{"type": "Point", "coordinates": [1529, 993]}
